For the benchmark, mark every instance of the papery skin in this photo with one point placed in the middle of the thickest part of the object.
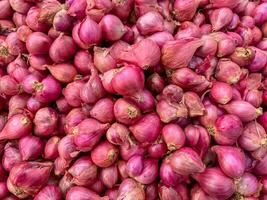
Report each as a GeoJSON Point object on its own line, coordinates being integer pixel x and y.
{"type": "Point", "coordinates": [130, 189]}
{"type": "Point", "coordinates": [173, 141]}
{"type": "Point", "coordinates": [147, 129]}
{"type": "Point", "coordinates": [215, 183]}
{"type": "Point", "coordinates": [80, 193]}
{"type": "Point", "coordinates": [50, 193]}
{"type": "Point", "coordinates": [173, 56]}
{"type": "Point", "coordinates": [37, 175]}
{"type": "Point", "coordinates": [231, 160]}
{"type": "Point", "coordinates": [186, 161]}
{"type": "Point", "coordinates": [83, 171]}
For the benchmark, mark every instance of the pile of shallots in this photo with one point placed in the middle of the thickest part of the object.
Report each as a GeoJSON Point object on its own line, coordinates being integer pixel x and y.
{"type": "Point", "coordinates": [133, 99]}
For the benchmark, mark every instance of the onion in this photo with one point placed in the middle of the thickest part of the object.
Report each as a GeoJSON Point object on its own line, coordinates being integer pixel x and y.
{"type": "Point", "coordinates": [173, 141]}
{"type": "Point", "coordinates": [231, 160]}
{"type": "Point", "coordinates": [186, 161]}
{"type": "Point", "coordinates": [30, 147]}
{"type": "Point", "coordinates": [147, 129]}
{"type": "Point", "coordinates": [244, 110]}
{"type": "Point", "coordinates": [215, 183]}
{"type": "Point", "coordinates": [104, 154]}
{"type": "Point", "coordinates": [131, 189]}
{"type": "Point", "coordinates": [50, 193]}
{"type": "Point", "coordinates": [79, 193]}
{"type": "Point", "coordinates": [83, 171]}
{"type": "Point", "coordinates": [109, 176]}
{"type": "Point", "coordinates": [37, 174]}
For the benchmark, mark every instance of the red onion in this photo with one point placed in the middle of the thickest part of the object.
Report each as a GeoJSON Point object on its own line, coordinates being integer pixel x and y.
{"type": "Point", "coordinates": [173, 141]}
{"type": "Point", "coordinates": [65, 183]}
{"type": "Point", "coordinates": [262, 120]}
{"type": "Point", "coordinates": [72, 93]}
{"type": "Point", "coordinates": [125, 85]}
{"type": "Point", "coordinates": [50, 193]}
{"type": "Point", "coordinates": [253, 137]}
{"type": "Point", "coordinates": [260, 13]}
{"type": "Point", "coordinates": [127, 151]}
{"type": "Point", "coordinates": [103, 61]}
{"type": "Point", "coordinates": [188, 29]}
{"type": "Point", "coordinates": [231, 160]}
{"type": "Point", "coordinates": [221, 92]}
{"type": "Point", "coordinates": [117, 134]}
{"type": "Point", "coordinates": [167, 175]}
{"type": "Point", "coordinates": [15, 46]}
{"type": "Point", "coordinates": [254, 97]}
{"type": "Point", "coordinates": [149, 172]}
{"type": "Point", "coordinates": [19, 19]}
{"type": "Point", "coordinates": [126, 112]}
{"type": "Point", "coordinates": [185, 10]}
{"type": "Point", "coordinates": [143, 99]}
{"type": "Point", "coordinates": [198, 138]}
{"type": "Point", "coordinates": [64, 72]}
{"type": "Point", "coordinates": [122, 169]}
{"type": "Point", "coordinates": [62, 49]}
{"type": "Point", "coordinates": [80, 193]}
{"type": "Point", "coordinates": [160, 38]}
{"type": "Point", "coordinates": [227, 129]}
{"type": "Point", "coordinates": [172, 55]}
{"type": "Point", "coordinates": [9, 86]}
{"type": "Point", "coordinates": [228, 71]}
{"type": "Point", "coordinates": [77, 8]}
{"type": "Point", "coordinates": [83, 171]}
{"type": "Point", "coordinates": [247, 185]}
{"type": "Point", "coordinates": [187, 78]}
{"type": "Point", "coordinates": [87, 33]}
{"type": "Point", "coordinates": [48, 90]}
{"type": "Point", "coordinates": [74, 117]}
{"type": "Point", "coordinates": [39, 62]}
{"type": "Point", "coordinates": [138, 55]}
{"type": "Point", "coordinates": [88, 133]}
{"type": "Point", "coordinates": [45, 122]}
{"type": "Point", "coordinates": [147, 129]}
{"type": "Point", "coordinates": [38, 43]}
{"type": "Point", "coordinates": [98, 186]}
{"type": "Point", "coordinates": [112, 27]}
{"type": "Point", "coordinates": [104, 154]}
{"type": "Point", "coordinates": [109, 176]}
{"type": "Point", "coordinates": [168, 111]}
{"type": "Point", "coordinates": [259, 61]}
{"type": "Point", "coordinates": [62, 21]}
{"type": "Point", "coordinates": [30, 147]}
{"type": "Point", "coordinates": [220, 17]}
{"type": "Point", "coordinates": [33, 105]}
{"type": "Point", "coordinates": [172, 93]}
{"type": "Point", "coordinates": [63, 106]}
{"type": "Point", "coordinates": [61, 165]}
{"type": "Point", "coordinates": [3, 190]}
{"type": "Point", "coordinates": [193, 104]}
{"type": "Point", "coordinates": [226, 47]}
{"type": "Point", "coordinates": [11, 157]}
{"type": "Point", "coordinates": [130, 189]}
{"type": "Point", "coordinates": [37, 174]}
{"type": "Point", "coordinates": [149, 23]}
{"type": "Point", "coordinates": [166, 193]}
{"type": "Point", "coordinates": [83, 62]}
{"type": "Point", "coordinates": [244, 110]}
{"type": "Point", "coordinates": [215, 183]}
{"type": "Point", "coordinates": [67, 148]}
{"type": "Point", "coordinates": [243, 56]}
{"type": "Point", "coordinates": [92, 90]}
{"type": "Point", "coordinates": [135, 166]}
{"type": "Point", "coordinates": [186, 161]}
{"type": "Point", "coordinates": [51, 148]}
{"type": "Point", "coordinates": [155, 83]}
{"type": "Point", "coordinates": [260, 167]}
{"type": "Point", "coordinates": [6, 10]}
{"type": "Point", "coordinates": [103, 110]}
{"type": "Point", "coordinates": [16, 103]}
{"type": "Point", "coordinates": [16, 127]}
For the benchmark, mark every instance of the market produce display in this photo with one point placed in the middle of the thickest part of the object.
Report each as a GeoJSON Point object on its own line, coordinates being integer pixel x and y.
{"type": "Point", "coordinates": [133, 99]}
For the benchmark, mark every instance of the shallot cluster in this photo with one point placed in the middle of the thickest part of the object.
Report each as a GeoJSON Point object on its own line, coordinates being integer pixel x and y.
{"type": "Point", "coordinates": [133, 99]}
